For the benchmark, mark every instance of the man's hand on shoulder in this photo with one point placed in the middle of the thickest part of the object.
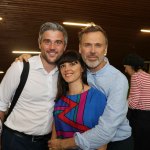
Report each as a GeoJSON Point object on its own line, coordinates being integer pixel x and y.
{"type": "Point", "coordinates": [23, 57]}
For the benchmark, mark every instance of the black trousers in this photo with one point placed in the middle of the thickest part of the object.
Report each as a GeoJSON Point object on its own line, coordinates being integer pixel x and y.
{"type": "Point", "coordinates": [140, 123]}
{"type": "Point", "coordinates": [15, 141]}
{"type": "Point", "coordinates": [126, 144]}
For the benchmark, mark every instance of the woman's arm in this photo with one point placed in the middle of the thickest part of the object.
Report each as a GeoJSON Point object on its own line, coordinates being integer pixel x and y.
{"type": "Point", "coordinates": [54, 135]}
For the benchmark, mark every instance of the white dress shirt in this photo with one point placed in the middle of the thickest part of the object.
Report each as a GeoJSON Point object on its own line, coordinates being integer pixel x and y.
{"type": "Point", "coordinates": [33, 112]}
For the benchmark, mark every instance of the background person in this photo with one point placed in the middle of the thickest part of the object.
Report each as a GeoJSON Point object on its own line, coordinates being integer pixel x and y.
{"type": "Point", "coordinates": [78, 106]}
{"type": "Point", "coordinates": [139, 100]}
{"type": "Point", "coordinates": [29, 125]}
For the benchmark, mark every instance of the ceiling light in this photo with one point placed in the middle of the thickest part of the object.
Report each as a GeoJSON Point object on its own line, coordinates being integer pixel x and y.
{"type": "Point", "coordinates": [145, 30]}
{"type": "Point", "coordinates": [78, 24]}
{"type": "Point", "coordinates": [26, 52]}
{"type": "Point", "coordinates": [1, 18]}
{"type": "Point", "coordinates": [1, 72]}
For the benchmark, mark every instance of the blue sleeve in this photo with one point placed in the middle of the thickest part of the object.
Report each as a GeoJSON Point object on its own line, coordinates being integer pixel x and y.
{"type": "Point", "coordinates": [114, 114]}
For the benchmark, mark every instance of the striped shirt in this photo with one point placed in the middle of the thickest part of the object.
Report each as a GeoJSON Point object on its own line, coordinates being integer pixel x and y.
{"type": "Point", "coordinates": [139, 96]}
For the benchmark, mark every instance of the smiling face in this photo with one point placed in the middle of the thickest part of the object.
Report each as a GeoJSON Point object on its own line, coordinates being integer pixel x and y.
{"type": "Point", "coordinates": [93, 48]}
{"type": "Point", "coordinates": [52, 46]}
{"type": "Point", "coordinates": [71, 71]}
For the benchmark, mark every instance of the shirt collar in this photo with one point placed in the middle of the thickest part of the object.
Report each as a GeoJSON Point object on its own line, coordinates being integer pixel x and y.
{"type": "Point", "coordinates": [39, 65]}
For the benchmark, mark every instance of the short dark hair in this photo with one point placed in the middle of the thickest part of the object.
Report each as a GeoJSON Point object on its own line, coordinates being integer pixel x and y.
{"type": "Point", "coordinates": [135, 61]}
{"type": "Point", "coordinates": [69, 56]}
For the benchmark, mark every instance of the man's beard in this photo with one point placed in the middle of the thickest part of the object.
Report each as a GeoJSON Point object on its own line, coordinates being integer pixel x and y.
{"type": "Point", "coordinates": [93, 64]}
{"type": "Point", "coordinates": [45, 57]}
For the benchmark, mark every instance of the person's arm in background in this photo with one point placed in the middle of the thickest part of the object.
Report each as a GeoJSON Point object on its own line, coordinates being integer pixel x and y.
{"type": "Point", "coordinates": [114, 114]}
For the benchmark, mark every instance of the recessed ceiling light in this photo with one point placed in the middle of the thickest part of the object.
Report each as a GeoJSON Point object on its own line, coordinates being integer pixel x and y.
{"type": "Point", "coordinates": [1, 72]}
{"type": "Point", "coordinates": [1, 18]}
{"type": "Point", "coordinates": [26, 52]}
{"type": "Point", "coordinates": [145, 30]}
{"type": "Point", "coordinates": [78, 24]}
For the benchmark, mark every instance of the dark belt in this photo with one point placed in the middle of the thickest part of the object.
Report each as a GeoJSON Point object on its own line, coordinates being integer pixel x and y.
{"type": "Point", "coordinates": [33, 138]}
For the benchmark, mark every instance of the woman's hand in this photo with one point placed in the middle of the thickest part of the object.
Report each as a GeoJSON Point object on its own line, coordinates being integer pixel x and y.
{"type": "Point", "coordinates": [55, 144]}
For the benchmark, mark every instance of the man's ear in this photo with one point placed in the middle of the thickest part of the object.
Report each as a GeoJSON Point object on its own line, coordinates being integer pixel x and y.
{"type": "Point", "coordinates": [65, 48]}
{"type": "Point", "coordinates": [79, 48]}
{"type": "Point", "coordinates": [39, 46]}
{"type": "Point", "coordinates": [105, 53]}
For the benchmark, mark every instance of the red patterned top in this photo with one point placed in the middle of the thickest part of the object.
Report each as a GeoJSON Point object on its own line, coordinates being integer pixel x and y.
{"type": "Point", "coordinates": [139, 96]}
